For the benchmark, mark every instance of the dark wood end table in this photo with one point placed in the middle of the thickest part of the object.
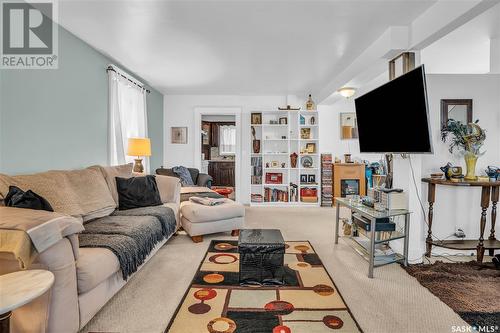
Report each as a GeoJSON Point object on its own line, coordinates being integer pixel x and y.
{"type": "Point", "coordinates": [489, 191]}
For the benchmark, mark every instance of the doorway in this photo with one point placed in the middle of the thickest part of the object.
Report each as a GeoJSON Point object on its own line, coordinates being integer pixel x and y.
{"type": "Point", "coordinates": [218, 150]}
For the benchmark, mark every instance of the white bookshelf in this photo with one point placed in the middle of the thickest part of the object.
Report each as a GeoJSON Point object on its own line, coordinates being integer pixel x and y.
{"type": "Point", "coordinates": [277, 143]}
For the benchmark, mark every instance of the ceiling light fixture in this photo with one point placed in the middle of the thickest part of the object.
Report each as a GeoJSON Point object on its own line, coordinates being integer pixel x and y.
{"type": "Point", "coordinates": [347, 91]}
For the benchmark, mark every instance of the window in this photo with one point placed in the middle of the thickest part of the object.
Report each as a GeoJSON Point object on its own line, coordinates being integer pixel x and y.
{"type": "Point", "coordinates": [127, 115]}
{"type": "Point", "coordinates": [227, 140]}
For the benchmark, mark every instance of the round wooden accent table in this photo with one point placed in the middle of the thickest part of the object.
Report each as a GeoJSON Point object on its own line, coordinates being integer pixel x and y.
{"type": "Point", "coordinates": [224, 191]}
{"type": "Point", "coordinates": [20, 288]}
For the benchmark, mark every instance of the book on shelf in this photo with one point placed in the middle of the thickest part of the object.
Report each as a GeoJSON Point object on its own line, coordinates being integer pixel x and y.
{"type": "Point", "coordinates": [275, 195]}
{"type": "Point", "coordinates": [256, 173]}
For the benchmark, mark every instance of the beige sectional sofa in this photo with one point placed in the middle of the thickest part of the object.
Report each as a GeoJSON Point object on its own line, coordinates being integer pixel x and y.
{"type": "Point", "coordinates": [85, 278]}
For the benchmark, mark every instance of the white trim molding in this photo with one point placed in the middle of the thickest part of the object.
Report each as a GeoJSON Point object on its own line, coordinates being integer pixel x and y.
{"type": "Point", "coordinates": [222, 110]}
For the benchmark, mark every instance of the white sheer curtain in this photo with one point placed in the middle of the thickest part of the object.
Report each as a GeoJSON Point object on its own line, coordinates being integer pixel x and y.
{"type": "Point", "coordinates": [127, 117]}
{"type": "Point", "coordinates": [227, 140]}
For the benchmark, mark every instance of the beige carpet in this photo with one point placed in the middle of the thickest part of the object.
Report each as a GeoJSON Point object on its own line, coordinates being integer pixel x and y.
{"type": "Point", "coordinates": [391, 302]}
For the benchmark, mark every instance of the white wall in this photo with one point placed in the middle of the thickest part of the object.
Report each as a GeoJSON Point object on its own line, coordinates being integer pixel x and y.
{"type": "Point", "coordinates": [461, 206]}
{"type": "Point", "coordinates": [179, 111]}
{"type": "Point", "coordinates": [330, 123]}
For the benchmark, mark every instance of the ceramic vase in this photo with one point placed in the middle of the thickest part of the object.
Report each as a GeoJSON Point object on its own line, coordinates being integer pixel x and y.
{"type": "Point", "coordinates": [293, 160]}
{"type": "Point", "coordinates": [470, 164]}
{"type": "Point", "coordinates": [256, 146]}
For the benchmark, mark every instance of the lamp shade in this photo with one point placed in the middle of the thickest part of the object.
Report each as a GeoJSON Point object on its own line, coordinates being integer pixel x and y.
{"type": "Point", "coordinates": [139, 147]}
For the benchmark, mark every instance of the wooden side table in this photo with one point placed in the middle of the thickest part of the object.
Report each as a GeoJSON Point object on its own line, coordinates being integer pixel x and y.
{"type": "Point", "coordinates": [20, 288]}
{"type": "Point", "coordinates": [488, 190]}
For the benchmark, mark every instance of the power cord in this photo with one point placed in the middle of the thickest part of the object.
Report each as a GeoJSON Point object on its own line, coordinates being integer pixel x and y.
{"type": "Point", "coordinates": [420, 200]}
{"type": "Point", "coordinates": [442, 255]}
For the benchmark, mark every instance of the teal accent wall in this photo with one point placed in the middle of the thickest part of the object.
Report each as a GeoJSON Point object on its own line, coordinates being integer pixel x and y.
{"type": "Point", "coordinates": [58, 119]}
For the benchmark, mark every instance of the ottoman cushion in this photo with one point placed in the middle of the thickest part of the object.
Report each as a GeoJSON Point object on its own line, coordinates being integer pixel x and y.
{"type": "Point", "coordinates": [196, 213]}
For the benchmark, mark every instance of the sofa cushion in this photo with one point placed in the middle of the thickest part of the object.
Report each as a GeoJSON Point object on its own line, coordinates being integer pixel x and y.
{"type": "Point", "coordinates": [94, 265]}
{"type": "Point", "coordinates": [74, 192]}
{"type": "Point", "coordinates": [111, 172]}
{"type": "Point", "coordinates": [199, 213]}
{"type": "Point", "coordinates": [169, 188]}
{"type": "Point", "coordinates": [175, 207]}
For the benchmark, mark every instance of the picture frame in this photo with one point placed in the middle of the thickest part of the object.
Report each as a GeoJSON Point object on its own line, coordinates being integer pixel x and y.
{"type": "Point", "coordinates": [303, 179]}
{"type": "Point", "coordinates": [305, 133]}
{"type": "Point", "coordinates": [311, 147]}
{"type": "Point", "coordinates": [256, 118]}
{"type": "Point", "coordinates": [283, 120]}
{"type": "Point", "coordinates": [348, 126]}
{"type": "Point", "coordinates": [311, 179]}
{"type": "Point", "coordinates": [275, 164]}
{"type": "Point", "coordinates": [274, 177]}
{"type": "Point", "coordinates": [179, 135]}
{"type": "Point", "coordinates": [457, 109]}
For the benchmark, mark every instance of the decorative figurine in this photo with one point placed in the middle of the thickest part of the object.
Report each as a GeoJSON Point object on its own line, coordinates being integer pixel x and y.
{"type": "Point", "coordinates": [451, 171]}
{"type": "Point", "coordinates": [493, 173]}
{"type": "Point", "coordinates": [255, 142]}
{"type": "Point", "coordinates": [310, 106]}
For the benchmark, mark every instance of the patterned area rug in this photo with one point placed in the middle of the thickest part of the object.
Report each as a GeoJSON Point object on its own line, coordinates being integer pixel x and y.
{"type": "Point", "coordinates": [309, 302]}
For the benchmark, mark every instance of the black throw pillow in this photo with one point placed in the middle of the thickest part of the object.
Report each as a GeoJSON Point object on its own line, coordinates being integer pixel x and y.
{"type": "Point", "coordinates": [137, 192]}
{"type": "Point", "coordinates": [29, 199]}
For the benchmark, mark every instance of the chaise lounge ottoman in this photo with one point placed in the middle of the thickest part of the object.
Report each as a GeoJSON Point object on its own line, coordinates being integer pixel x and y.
{"type": "Point", "coordinates": [199, 220]}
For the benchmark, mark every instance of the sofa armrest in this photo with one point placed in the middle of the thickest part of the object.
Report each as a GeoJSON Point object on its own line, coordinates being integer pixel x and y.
{"type": "Point", "coordinates": [169, 188]}
{"type": "Point", "coordinates": [57, 310]}
{"type": "Point", "coordinates": [204, 180]}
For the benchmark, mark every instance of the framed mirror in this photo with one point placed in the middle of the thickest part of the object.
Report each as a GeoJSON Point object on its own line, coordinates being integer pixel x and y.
{"type": "Point", "coordinates": [457, 109]}
{"type": "Point", "coordinates": [348, 126]}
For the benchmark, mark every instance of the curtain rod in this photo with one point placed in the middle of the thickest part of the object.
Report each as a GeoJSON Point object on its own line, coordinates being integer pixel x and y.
{"type": "Point", "coordinates": [110, 68]}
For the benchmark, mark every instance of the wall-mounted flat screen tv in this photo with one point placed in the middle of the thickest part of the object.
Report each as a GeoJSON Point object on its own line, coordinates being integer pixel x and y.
{"type": "Point", "coordinates": [394, 118]}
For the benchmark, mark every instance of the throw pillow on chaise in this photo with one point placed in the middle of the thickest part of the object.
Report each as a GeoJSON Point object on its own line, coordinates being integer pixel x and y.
{"type": "Point", "coordinates": [137, 192]}
{"type": "Point", "coordinates": [184, 175]}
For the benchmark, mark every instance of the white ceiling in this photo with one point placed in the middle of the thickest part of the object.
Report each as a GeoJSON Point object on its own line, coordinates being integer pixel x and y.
{"type": "Point", "coordinates": [465, 50]}
{"type": "Point", "coordinates": [235, 47]}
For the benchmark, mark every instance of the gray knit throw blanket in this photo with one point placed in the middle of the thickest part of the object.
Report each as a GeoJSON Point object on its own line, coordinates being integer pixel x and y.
{"type": "Point", "coordinates": [210, 194]}
{"type": "Point", "coordinates": [130, 234]}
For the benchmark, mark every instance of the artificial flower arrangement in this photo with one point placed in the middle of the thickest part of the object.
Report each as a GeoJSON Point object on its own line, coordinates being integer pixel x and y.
{"type": "Point", "coordinates": [466, 138]}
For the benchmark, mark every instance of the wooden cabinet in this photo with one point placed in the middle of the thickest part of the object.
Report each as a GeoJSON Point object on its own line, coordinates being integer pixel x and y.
{"type": "Point", "coordinates": [222, 173]}
{"type": "Point", "coordinates": [214, 135]}
{"type": "Point", "coordinates": [348, 178]}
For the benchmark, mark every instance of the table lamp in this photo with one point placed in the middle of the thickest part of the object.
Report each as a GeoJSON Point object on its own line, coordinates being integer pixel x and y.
{"type": "Point", "coordinates": [139, 147]}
